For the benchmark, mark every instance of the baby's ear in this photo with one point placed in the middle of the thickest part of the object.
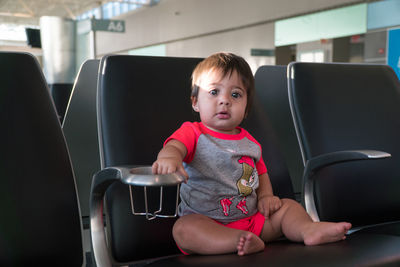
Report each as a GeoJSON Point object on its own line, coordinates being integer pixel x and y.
{"type": "Point", "coordinates": [194, 104]}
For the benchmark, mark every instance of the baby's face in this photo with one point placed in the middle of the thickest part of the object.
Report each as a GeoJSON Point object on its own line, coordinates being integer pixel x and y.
{"type": "Point", "coordinates": [221, 101]}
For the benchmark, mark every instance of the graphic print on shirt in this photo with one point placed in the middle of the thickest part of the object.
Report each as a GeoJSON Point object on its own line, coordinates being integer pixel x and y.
{"type": "Point", "coordinates": [244, 185]}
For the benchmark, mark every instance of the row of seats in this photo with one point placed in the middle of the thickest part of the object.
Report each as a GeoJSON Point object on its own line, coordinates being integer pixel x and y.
{"type": "Point", "coordinates": [334, 126]}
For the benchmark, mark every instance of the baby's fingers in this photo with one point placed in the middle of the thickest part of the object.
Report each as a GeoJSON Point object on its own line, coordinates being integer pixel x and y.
{"type": "Point", "coordinates": [275, 205]}
{"type": "Point", "coordinates": [160, 168]}
{"type": "Point", "coordinates": [154, 168]}
{"type": "Point", "coordinates": [264, 211]}
{"type": "Point", "coordinates": [170, 169]}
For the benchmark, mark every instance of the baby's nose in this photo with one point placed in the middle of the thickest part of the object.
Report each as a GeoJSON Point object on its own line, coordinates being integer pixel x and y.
{"type": "Point", "coordinates": [224, 100]}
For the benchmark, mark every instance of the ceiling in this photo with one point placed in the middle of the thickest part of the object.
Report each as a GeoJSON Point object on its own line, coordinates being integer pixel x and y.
{"type": "Point", "coordinates": [28, 12]}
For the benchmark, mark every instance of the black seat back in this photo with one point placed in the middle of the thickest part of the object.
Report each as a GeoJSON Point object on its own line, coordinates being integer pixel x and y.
{"type": "Point", "coordinates": [80, 130]}
{"type": "Point", "coordinates": [266, 116]}
{"type": "Point", "coordinates": [350, 107]}
{"type": "Point", "coordinates": [272, 97]}
{"type": "Point", "coordinates": [40, 223]}
{"type": "Point", "coordinates": [143, 100]}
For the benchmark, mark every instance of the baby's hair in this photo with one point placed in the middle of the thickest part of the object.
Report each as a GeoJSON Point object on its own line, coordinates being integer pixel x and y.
{"type": "Point", "coordinates": [227, 63]}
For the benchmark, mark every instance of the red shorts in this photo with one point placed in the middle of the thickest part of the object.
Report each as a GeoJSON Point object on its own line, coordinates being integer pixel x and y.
{"type": "Point", "coordinates": [254, 224]}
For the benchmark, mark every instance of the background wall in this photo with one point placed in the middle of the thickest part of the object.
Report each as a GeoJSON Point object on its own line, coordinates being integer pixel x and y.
{"type": "Point", "coordinates": [239, 42]}
{"type": "Point", "coordinates": [192, 28]}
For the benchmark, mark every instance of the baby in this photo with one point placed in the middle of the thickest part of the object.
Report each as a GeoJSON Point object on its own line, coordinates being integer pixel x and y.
{"type": "Point", "coordinates": [227, 204]}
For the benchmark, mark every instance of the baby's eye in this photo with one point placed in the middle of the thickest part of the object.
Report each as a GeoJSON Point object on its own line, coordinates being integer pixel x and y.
{"type": "Point", "coordinates": [213, 92]}
{"type": "Point", "coordinates": [236, 95]}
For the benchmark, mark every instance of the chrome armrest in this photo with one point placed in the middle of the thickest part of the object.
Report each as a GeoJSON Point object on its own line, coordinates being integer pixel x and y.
{"type": "Point", "coordinates": [102, 180]}
{"type": "Point", "coordinates": [325, 160]}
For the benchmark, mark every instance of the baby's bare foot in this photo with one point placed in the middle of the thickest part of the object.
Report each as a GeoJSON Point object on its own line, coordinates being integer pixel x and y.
{"type": "Point", "coordinates": [249, 243]}
{"type": "Point", "coordinates": [325, 232]}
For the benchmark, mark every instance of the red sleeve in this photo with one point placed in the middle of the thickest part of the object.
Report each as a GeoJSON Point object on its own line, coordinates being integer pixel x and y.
{"type": "Point", "coordinates": [260, 164]}
{"type": "Point", "coordinates": [188, 135]}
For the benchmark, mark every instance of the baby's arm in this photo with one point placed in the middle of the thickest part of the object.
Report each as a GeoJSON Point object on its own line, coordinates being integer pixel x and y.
{"type": "Point", "coordinates": [268, 204]}
{"type": "Point", "coordinates": [169, 159]}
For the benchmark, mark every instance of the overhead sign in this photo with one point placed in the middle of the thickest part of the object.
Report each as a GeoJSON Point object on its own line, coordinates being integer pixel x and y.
{"type": "Point", "coordinates": [334, 23]}
{"type": "Point", "coordinates": [108, 25]}
{"type": "Point", "coordinates": [262, 52]}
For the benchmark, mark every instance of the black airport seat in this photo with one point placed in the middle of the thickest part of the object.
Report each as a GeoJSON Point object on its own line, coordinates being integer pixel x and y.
{"type": "Point", "coordinates": [40, 223]}
{"type": "Point", "coordinates": [141, 101]}
{"type": "Point", "coordinates": [80, 130]}
{"type": "Point", "coordinates": [347, 121]}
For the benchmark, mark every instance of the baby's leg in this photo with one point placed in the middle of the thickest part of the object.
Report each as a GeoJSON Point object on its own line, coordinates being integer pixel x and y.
{"type": "Point", "coordinates": [294, 222]}
{"type": "Point", "coordinates": [199, 234]}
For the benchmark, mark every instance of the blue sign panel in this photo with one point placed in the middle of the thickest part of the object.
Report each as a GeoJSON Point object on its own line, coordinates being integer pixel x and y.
{"type": "Point", "coordinates": [393, 52]}
{"type": "Point", "coordinates": [383, 14]}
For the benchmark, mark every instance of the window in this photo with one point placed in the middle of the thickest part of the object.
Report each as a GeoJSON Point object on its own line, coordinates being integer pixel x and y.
{"type": "Point", "coordinates": [112, 9]}
{"type": "Point", "coordinates": [311, 56]}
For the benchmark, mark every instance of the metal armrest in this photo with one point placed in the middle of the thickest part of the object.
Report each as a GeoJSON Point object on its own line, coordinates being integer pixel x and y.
{"type": "Point", "coordinates": [325, 160]}
{"type": "Point", "coordinates": [102, 180]}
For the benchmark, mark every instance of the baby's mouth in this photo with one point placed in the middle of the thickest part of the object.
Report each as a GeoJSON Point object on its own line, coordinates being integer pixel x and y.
{"type": "Point", "coordinates": [223, 115]}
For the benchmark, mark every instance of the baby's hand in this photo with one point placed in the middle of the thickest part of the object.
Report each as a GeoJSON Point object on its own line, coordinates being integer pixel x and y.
{"type": "Point", "coordinates": [169, 165]}
{"type": "Point", "coordinates": [268, 205]}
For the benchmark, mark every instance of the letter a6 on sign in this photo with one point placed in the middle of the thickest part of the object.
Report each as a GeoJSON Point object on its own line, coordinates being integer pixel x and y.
{"type": "Point", "coordinates": [116, 26]}
{"type": "Point", "coordinates": [108, 25]}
